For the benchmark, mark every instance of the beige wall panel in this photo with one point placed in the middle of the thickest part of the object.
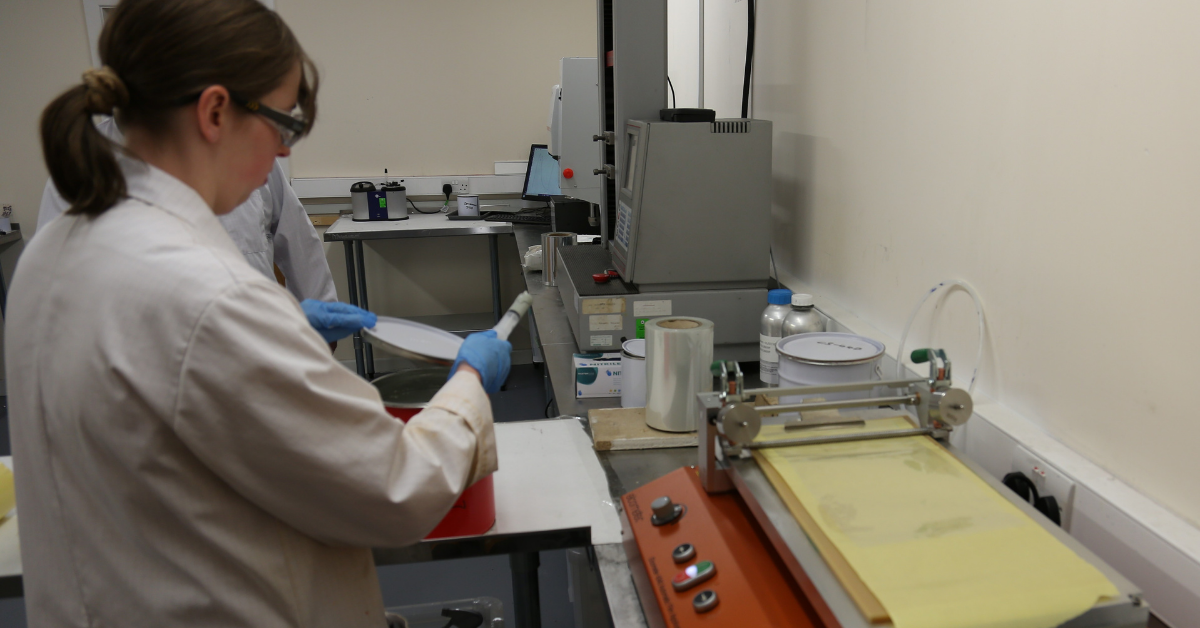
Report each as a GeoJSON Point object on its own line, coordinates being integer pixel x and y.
{"type": "Point", "coordinates": [1045, 151]}
{"type": "Point", "coordinates": [432, 88]}
{"type": "Point", "coordinates": [43, 51]}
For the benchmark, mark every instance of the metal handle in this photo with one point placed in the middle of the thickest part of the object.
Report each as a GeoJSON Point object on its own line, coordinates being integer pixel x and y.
{"type": "Point", "coordinates": [607, 137]}
{"type": "Point", "coordinates": [608, 170]}
{"type": "Point", "coordinates": [841, 438]}
{"type": "Point", "coordinates": [836, 405]}
{"type": "Point", "coordinates": [833, 388]}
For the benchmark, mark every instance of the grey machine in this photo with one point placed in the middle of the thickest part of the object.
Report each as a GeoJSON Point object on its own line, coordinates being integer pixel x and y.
{"type": "Point", "coordinates": [686, 205]}
{"type": "Point", "coordinates": [692, 237]}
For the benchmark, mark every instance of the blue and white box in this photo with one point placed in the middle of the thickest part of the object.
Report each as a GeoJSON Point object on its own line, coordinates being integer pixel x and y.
{"type": "Point", "coordinates": [597, 375]}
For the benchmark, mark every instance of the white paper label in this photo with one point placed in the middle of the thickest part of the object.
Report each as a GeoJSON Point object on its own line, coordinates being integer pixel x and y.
{"type": "Point", "coordinates": [652, 308]}
{"type": "Point", "coordinates": [768, 372]}
{"type": "Point", "coordinates": [615, 305]}
{"type": "Point", "coordinates": [766, 349]}
{"type": "Point", "coordinates": [601, 341]}
{"type": "Point", "coordinates": [605, 322]}
{"type": "Point", "coordinates": [768, 359]}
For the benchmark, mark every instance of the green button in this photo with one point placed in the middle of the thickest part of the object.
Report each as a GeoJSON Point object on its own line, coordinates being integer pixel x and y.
{"type": "Point", "coordinates": [703, 566]}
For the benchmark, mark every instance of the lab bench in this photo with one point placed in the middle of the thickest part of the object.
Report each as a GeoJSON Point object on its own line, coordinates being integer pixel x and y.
{"type": "Point", "coordinates": [553, 340]}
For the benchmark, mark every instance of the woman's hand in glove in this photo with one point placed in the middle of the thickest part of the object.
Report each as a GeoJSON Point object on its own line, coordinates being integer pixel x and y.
{"type": "Point", "coordinates": [335, 320]}
{"type": "Point", "coordinates": [488, 355]}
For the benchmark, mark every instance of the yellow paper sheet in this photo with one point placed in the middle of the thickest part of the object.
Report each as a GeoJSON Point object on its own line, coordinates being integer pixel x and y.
{"type": "Point", "coordinates": [936, 544]}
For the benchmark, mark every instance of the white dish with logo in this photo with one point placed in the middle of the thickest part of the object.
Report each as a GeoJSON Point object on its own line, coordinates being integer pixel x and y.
{"type": "Point", "coordinates": [823, 358]}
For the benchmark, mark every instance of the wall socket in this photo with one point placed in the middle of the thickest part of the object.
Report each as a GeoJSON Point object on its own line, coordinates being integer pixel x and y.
{"type": "Point", "coordinates": [1048, 480]}
{"type": "Point", "coordinates": [459, 186]}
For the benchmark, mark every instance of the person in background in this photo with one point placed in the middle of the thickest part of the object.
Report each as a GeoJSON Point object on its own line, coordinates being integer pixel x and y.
{"type": "Point", "coordinates": [271, 228]}
{"type": "Point", "coordinates": [187, 451]}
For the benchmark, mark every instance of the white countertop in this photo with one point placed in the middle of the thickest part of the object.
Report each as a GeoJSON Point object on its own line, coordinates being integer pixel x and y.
{"type": "Point", "coordinates": [549, 479]}
{"type": "Point", "coordinates": [415, 226]}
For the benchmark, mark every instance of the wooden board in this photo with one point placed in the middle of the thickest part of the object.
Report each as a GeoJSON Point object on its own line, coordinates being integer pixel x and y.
{"type": "Point", "coordinates": [866, 601]}
{"type": "Point", "coordinates": [323, 220]}
{"type": "Point", "coordinates": [616, 429]}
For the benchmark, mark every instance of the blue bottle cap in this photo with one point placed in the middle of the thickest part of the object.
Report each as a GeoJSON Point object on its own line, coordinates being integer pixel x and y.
{"type": "Point", "coordinates": [779, 296]}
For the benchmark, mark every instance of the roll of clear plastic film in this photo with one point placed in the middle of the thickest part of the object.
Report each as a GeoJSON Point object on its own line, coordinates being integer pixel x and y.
{"type": "Point", "coordinates": [679, 352]}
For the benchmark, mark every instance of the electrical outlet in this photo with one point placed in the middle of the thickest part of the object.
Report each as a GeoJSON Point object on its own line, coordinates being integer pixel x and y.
{"type": "Point", "coordinates": [459, 186]}
{"type": "Point", "coordinates": [1048, 480]}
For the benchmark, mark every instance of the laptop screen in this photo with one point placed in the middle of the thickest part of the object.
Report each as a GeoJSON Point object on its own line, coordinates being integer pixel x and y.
{"type": "Point", "coordinates": [541, 175]}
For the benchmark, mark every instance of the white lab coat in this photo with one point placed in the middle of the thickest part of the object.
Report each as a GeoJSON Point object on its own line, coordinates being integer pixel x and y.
{"type": "Point", "coordinates": [187, 451]}
{"type": "Point", "coordinates": [271, 227]}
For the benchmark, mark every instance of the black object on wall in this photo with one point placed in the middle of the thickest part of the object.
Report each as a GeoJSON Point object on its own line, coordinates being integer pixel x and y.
{"type": "Point", "coordinates": [1023, 486]}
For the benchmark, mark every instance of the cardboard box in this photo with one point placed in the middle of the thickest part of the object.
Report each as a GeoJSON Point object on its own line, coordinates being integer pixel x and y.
{"type": "Point", "coordinates": [597, 375]}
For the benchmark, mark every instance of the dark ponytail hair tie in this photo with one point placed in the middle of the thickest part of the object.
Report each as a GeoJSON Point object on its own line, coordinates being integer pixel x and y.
{"type": "Point", "coordinates": [105, 90]}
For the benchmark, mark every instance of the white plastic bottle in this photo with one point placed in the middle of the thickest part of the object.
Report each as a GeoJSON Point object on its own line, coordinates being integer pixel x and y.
{"type": "Point", "coordinates": [803, 318]}
{"type": "Point", "coordinates": [769, 332]}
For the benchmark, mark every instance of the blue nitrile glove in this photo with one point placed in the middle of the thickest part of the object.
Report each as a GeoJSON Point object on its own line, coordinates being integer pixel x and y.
{"type": "Point", "coordinates": [487, 354]}
{"type": "Point", "coordinates": [335, 320]}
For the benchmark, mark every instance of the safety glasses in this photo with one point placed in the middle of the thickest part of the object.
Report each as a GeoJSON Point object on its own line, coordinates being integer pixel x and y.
{"type": "Point", "coordinates": [291, 126]}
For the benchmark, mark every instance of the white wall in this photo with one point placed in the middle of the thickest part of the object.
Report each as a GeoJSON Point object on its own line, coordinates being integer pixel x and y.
{"type": "Point", "coordinates": [432, 88]}
{"type": "Point", "coordinates": [43, 50]}
{"type": "Point", "coordinates": [1046, 152]}
{"type": "Point", "coordinates": [724, 53]}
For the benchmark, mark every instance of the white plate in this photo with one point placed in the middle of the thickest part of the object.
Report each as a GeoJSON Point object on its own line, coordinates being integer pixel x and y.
{"type": "Point", "coordinates": [413, 340]}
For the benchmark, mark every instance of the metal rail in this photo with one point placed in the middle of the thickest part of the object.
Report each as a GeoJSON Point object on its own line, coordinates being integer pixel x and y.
{"type": "Point", "coordinates": [835, 405]}
{"type": "Point", "coordinates": [832, 388]}
{"type": "Point", "coordinates": [839, 438]}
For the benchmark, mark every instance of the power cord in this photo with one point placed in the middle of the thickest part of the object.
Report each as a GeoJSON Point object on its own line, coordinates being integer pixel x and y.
{"type": "Point", "coordinates": [749, 58]}
{"type": "Point", "coordinates": [418, 209]}
{"type": "Point", "coordinates": [1020, 484]}
{"type": "Point", "coordinates": [672, 91]}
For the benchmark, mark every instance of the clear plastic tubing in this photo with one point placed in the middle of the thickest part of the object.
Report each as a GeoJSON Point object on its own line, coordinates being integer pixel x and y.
{"type": "Point", "coordinates": [515, 311]}
{"type": "Point", "coordinates": [978, 314]}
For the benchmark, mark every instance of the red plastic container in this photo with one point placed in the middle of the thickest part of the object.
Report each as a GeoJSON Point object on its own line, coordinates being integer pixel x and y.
{"type": "Point", "coordinates": [405, 393]}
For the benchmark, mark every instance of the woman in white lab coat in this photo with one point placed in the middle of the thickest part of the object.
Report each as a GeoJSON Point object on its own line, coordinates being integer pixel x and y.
{"type": "Point", "coordinates": [187, 451]}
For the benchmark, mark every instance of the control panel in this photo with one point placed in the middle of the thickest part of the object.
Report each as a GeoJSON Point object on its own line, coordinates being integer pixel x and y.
{"type": "Point", "coordinates": [703, 561]}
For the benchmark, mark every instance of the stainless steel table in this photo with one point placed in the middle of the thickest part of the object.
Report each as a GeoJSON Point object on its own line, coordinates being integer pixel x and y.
{"type": "Point", "coordinates": [352, 234]}
{"type": "Point", "coordinates": [552, 338]}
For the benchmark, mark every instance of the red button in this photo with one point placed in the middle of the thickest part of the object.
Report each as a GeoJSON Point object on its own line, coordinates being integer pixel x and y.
{"type": "Point", "coordinates": [568, 173]}
{"type": "Point", "coordinates": [601, 277]}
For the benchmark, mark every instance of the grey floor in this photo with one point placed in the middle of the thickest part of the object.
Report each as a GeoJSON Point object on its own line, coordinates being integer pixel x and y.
{"type": "Point", "coordinates": [522, 399]}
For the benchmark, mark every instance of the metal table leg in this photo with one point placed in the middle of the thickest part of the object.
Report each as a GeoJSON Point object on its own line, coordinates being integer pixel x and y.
{"type": "Point", "coordinates": [368, 354]}
{"type": "Point", "coordinates": [493, 245]}
{"type": "Point", "coordinates": [526, 597]}
{"type": "Point", "coordinates": [4, 294]}
{"type": "Point", "coordinates": [352, 294]}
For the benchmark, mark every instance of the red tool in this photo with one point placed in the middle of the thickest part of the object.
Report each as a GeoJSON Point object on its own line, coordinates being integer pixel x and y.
{"type": "Point", "coordinates": [605, 276]}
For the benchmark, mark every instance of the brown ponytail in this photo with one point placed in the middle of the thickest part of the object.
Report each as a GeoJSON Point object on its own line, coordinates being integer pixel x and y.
{"type": "Point", "coordinates": [157, 55]}
{"type": "Point", "coordinates": [80, 159]}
